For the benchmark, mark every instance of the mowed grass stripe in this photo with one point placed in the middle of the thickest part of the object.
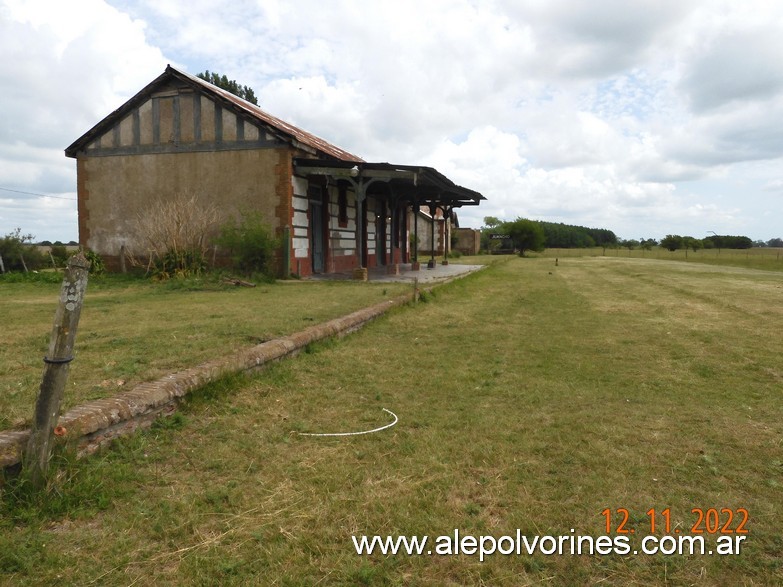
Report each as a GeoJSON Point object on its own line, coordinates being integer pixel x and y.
{"type": "Point", "coordinates": [526, 400]}
{"type": "Point", "coordinates": [711, 319]}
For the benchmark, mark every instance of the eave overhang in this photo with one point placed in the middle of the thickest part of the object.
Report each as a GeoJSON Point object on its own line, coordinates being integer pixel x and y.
{"type": "Point", "coordinates": [415, 184]}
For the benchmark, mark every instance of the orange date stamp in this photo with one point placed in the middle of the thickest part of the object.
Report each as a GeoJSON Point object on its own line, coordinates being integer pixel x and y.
{"type": "Point", "coordinates": [704, 521]}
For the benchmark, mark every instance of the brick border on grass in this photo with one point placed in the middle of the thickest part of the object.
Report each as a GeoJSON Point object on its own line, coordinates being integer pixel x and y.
{"type": "Point", "coordinates": [95, 423]}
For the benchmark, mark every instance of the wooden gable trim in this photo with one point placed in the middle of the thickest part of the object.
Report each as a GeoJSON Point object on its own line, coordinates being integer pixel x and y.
{"type": "Point", "coordinates": [175, 124]}
{"type": "Point", "coordinates": [173, 84]}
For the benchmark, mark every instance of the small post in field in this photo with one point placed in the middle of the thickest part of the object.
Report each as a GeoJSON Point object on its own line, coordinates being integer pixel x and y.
{"type": "Point", "coordinates": [2, 265]}
{"type": "Point", "coordinates": [56, 368]}
{"type": "Point", "coordinates": [123, 268]}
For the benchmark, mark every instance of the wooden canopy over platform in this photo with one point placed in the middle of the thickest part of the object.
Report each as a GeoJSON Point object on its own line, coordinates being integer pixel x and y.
{"type": "Point", "coordinates": [406, 186]}
{"type": "Point", "coordinates": [409, 183]}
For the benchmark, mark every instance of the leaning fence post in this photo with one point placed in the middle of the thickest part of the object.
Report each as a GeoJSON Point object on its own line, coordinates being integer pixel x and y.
{"type": "Point", "coordinates": [56, 367]}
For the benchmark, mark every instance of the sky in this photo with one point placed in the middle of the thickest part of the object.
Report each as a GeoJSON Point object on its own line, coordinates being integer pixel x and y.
{"type": "Point", "coordinates": [648, 118]}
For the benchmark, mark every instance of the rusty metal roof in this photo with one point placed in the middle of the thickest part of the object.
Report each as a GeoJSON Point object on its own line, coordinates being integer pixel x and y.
{"type": "Point", "coordinates": [284, 130]}
{"type": "Point", "coordinates": [297, 133]}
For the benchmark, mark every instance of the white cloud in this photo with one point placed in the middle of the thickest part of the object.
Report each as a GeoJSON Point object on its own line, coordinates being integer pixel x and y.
{"type": "Point", "coordinates": [65, 66]}
{"type": "Point", "coordinates": [774, 185]}
{"type": "Point", "coordinates": [589, 40]}
{"type": "Point", "coordinates": [339, 118]}
{"type": "Point", "coordinates": [635, 117]}
{"type": "Point", "coordinates": [740, 66]}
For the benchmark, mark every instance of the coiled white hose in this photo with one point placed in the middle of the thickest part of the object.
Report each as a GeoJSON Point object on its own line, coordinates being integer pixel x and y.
{"type": "Point", "coordinates": [354, 433]}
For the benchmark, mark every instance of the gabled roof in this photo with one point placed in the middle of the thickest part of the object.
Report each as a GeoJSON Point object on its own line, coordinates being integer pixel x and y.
{"type": "Point", "coordinates": [281, 129]}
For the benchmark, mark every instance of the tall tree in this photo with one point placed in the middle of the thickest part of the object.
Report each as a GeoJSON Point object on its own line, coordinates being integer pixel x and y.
{"type": "Point", "coordinates": [723, 241]}
{"type": "Point", "coordinates": [221, 81]}
{"type": "Point", "coordinates": [491, 224]}
{"type": "Point", "coordinates": [492, 221]}
{"type": "Point", "coordinates": [693, 243]}
{"type": "Point", "coordinates": [566, 236]}
{"type": "Point", "coordinates": [526, 234]}
{"type": "Point", "coordinates": [672, 242]}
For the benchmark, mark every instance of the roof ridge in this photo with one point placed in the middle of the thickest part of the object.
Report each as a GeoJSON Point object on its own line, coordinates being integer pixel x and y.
{"type": "Point", "coordinates": [297, 137]}
{"type": "Point", "coordinates": [259, 113]}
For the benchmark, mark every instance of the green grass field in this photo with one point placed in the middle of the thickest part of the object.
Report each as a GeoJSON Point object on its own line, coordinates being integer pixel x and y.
{"type": "Point", "coordinates": [530, 397]}
{"type": "Point", "coordinates": [768, 259]}
{"type": "Point", "coordinates": [134, 330]}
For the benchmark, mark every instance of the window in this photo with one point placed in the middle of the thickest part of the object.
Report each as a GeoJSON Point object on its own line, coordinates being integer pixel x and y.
{"type": "Point", "coordinates": [342, 206]}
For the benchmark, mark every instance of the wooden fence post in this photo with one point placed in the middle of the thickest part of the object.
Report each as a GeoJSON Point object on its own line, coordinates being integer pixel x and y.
{"type": "Point", "coordinates": [56, 367]}
{"type": "Point", "coordinates": [123, 269]}
{"type": "Point", "coordinates": [2, 265]}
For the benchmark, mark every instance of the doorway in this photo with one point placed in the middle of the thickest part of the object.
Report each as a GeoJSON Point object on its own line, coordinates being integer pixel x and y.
{"type": "Point", "coordinates": [317, 245]}
{"type": "Point", "coordinates": [380, 233]}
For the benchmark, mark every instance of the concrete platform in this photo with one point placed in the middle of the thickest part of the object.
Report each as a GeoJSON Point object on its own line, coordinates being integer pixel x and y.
{"type": "Point", "coordinates": [439, 273]}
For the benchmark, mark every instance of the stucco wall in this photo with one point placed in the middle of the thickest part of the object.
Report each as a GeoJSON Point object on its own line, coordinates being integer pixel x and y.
{"type": "Point", "coordinates": [468, 240]}
{"type": "Point", "coordinates": [114, 190]}
{"type": "Point", "coordinates": [424, 223]}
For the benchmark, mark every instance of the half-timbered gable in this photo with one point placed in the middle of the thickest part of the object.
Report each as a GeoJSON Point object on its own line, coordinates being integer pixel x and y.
{"type": "Point", "coordinates": [175, 118]}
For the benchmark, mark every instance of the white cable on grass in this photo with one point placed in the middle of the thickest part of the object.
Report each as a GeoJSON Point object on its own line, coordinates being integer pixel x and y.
{"type": "Point", "coordinates": [354, 433]}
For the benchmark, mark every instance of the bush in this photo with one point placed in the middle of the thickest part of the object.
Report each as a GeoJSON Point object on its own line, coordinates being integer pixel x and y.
{"type": "Point", "coordinates": [175, 232]}
{"type": "Point", "coordinates": [97, 266]}
{"type": "Point", "coordinates": [59, 254]}
{"type": "Point", "coordinates": [18, 253]}
{"type": "Point", "coordinates": [180, 264]}
{"type": "Point", "coordinates": [250, 244]}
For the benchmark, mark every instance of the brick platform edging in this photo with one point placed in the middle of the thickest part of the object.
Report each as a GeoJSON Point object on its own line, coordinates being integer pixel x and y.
{"type": "Point", "coordinates": [95, 423]}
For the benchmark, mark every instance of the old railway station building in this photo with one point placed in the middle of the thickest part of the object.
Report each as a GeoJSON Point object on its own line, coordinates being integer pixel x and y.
{"type": "Point", "coordinates": [334, 211]}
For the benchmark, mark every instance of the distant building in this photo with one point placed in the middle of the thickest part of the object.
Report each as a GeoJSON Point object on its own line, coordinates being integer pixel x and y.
{"type": "Point", "coordinates": [468, 241]}
{"type": "Point", "coordinates": [180, 134]}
